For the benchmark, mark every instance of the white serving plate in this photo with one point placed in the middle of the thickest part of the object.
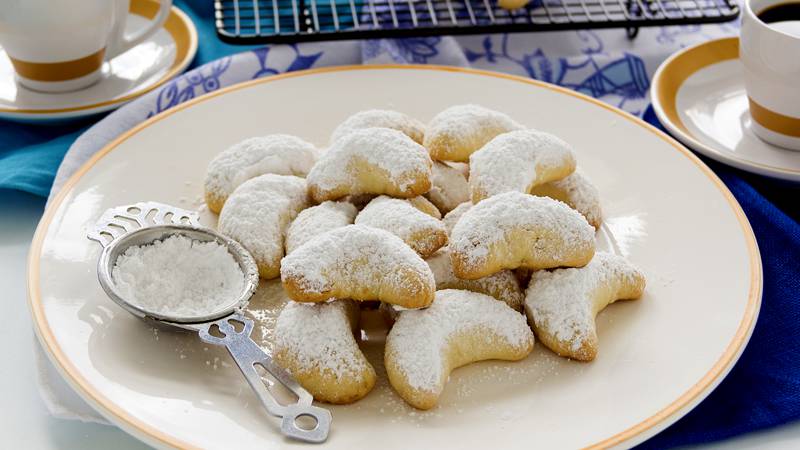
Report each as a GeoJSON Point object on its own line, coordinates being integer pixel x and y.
{"type": "Point", "coordinates": [659, 356]}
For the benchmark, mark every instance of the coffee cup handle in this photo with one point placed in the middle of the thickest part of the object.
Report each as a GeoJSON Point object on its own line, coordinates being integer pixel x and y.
{"type": "Point", "coordinates": [121, 44]}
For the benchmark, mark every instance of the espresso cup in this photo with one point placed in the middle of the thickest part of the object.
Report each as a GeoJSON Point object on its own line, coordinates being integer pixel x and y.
{"type": "Point", "coordinates": [769, 49]}
{"type": "Point", "coordinates": [60, 45]}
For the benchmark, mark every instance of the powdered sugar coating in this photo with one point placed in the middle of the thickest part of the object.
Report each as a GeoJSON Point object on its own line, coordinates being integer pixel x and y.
{"type": "Point", "coordinates": [317, 220]}
{"type": "Point", "coordinates": [456, 132]}
{"type": "Point", "coordinates": [420, 231]}
{"type": "Point", "coordinates": [381, 118]}
{"type": "Point", "coordinates": [518, 161]}
{"type": "Point", "coordinates": [555, 234]}
{"type": "Point", "coordinates": [319, 337]}
{"type": "Point", "coordinates": [280, 154]}
{"type": "Point", "coordinates": [178, 276]}
{"type": "Point", "coordinates": [358, 262]}
{"type": "Point", "coordinates": [449, 189]}
{"type": "Point", "coordinates": [258, 213]}
{"type": "Point", "coordinates": [419, 340]}
{"type": "Point", "coordinates": [371, 161]}
{"type": "Point", "coordinates": [502, 285]}
{"type": "Point", "coordinates": [451, 219]}
{"type": "Point", "coordinates": [563, 301]}
{"type": "Point", "coordinates": [578, 192]}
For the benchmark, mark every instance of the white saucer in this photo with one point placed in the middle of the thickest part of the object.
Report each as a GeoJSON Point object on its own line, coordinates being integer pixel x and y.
{"type": "Point", "coordinates": [699, 96]}
{"type": "Point", "coordinates": [165, 54]}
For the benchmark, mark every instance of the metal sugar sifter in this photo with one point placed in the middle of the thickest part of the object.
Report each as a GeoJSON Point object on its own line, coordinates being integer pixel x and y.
{"type": "Point", "coordinates": [143, 223]}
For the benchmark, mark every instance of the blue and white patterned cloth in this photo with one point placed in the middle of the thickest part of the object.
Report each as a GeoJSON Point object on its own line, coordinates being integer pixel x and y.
{"type": "Point", "coordinates": [604, 64]}
{"type": "Point", "coordinates": [762, 390]}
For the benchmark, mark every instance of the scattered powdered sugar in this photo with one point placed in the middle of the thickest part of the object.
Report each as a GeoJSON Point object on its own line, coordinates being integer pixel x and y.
{"type": "Point", "coordinates": [451, 219]}
{"type": "Point", "coordinates": [317, 220]}
{"type": "Point", "coordinates": [280, 154]}
{"type": "Point", "coordinates": [385, 149]}
{"type": "Point", "coordinates": [178, 276]}
{"type": "Point", "coordinates": [561, 300]}
{"type": "Point", "coordinates": [563, 231]}
{"type": "Point", "coordinates": [517, 161]}
{"type": "Point", "coordinates": [578, 192]}
{"type": "Point", "coordinates": [258, 212]}
{"type": "Point", "coordinates": [462, 129]}
{"type": "Point", "coordinates": [264, 308]}
{"type": "Point", "coordinates": [502, 285]}
{"type": "Point", "coordinates": [401, 218]}
{"type": "Point", "coordinates": [380, 118]}
{"type": "Point", "coordinates": [419, 339]}
{"type": "Point", "coordinates": [361, 255]}
{"type": "Point", "coordinates": [320, 336]}
{"type": "Point", "coordinates": [449, 187]}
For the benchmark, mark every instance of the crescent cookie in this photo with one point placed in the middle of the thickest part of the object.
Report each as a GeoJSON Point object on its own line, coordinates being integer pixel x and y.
{"type": "Point", "coordinates": [456, 132]}
{"type": "Point", "coordinates": [451, 219]}
{"type": "Point", "coordinates": [258, 213]}
{"type": "Point", "coordinates": [518, 161]}
{"type": "Point", "coordinates": [450, 187]}
{"type": "Point", "coordinates": [461, 167]}
{"type": "Point", "coordinates": [371, 161]}
{"type": "Point", "coordinates": [317, 220]}
{"type": "Point", "coordinates": [425, 205]}
{"type": "Point", "coordinates": [562, 304]}
{"type": "Point", "coordinates": [578, 192]}
{"type": "Point", "coordinates": [381, 118]}
{"type": "Point", "coordinates": [361, 263]}
{"type": "Point", "coordinates": [423, 233]}
{"type": "Point", "coordinates": [459, 328]}
{"type": "Point", "coordinates": [419, 202]}
{"type": "Point", "coordinates": [277, 153]}
{"type": "Point", "coordinates": [502, 285]}
{"type": "Point", "coordinates": [316, 344]}
{"type": "Point", "coordinates": [519, 230]}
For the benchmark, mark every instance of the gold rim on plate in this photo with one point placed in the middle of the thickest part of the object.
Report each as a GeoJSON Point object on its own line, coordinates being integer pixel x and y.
{"type": "Point", "coordinates": [674, 72]}
{"type": "Point", "coordinates": [147, 432]}
{"type": "Point", "coordinates": [182, 31]}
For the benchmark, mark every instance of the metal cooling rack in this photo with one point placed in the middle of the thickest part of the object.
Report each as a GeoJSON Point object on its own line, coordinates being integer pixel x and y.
{"type": "Point", "coordinates": [284, 21]}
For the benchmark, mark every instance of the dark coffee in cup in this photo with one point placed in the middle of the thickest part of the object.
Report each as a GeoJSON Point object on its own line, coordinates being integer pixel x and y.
{"type": "Point", "coordinates": [780, 13]}
{"type": "Point", "coordinates": [783, 17]}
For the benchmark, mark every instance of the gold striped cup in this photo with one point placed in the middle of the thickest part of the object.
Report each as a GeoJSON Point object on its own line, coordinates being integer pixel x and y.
{"type": "Point", "coordinates": [60, 45]}
{"type": "Point", "coordinates": [770, 54]}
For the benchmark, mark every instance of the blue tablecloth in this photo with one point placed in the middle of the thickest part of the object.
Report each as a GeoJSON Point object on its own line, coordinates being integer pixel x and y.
{"type": "Point", "coordinates": [762, 390]}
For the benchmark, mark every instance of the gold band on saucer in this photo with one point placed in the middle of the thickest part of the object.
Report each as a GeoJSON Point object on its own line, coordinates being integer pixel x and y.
{"type": "Point", "coordinates": [686, 64]}
{"type": "Point", "coordinates": [777, 122]}
{"type": "Point", "coordinates": [59, 71]}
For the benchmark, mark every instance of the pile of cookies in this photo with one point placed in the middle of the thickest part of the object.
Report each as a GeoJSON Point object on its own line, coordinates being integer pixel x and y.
{"type": "Point", "coordinates": [473, 232]}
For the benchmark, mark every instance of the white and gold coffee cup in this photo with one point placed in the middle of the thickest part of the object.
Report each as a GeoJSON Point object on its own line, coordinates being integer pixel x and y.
{"type": "Point", "coordinates": [770, 54]}
{"type": "Point", "coordinates": [60, 45]}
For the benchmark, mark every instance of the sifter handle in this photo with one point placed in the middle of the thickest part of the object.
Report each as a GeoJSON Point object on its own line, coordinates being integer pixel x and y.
{"type": "Point", "coordinates": [247, 354]}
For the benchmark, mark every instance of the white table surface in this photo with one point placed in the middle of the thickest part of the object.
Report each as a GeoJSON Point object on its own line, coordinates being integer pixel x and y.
{"type": "Point", "coordinates": [25, 422]}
